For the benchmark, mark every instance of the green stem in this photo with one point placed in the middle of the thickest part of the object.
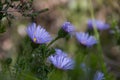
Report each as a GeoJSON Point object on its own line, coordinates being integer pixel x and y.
{"type": "Point", "coordinates": [100, 55]}
{"type": "Point", "coordinates": [53, 41]}
{"type": "Point", "coordinates": [29, 76]}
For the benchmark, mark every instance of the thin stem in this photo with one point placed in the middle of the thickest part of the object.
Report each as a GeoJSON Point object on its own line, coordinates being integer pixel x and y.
{"type": "Point", "coordinates": [100, 55]}
{"type": "Point", "coordinates": [29, 76]}
{"type": "Point", "coordinates": [10, 72]}
{"type": "Point", "coordinates": [8, 11]}
{"type": "Point", "coordinates": [53, 41]}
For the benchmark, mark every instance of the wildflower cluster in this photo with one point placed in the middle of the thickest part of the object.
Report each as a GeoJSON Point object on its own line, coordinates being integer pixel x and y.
{"type": "Point", "coordinates": [60, 59]}
{"type": "Point", "coordinates": [39, 60]}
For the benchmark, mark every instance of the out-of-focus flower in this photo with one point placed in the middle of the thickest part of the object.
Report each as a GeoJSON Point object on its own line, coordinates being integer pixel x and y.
{"type": "Point", "coordinates": [68, 27]}
{"type": "Point", "coordinates": [99, 76]}
{"type": "Point", "coordinates": [84, 67]}
{"type": "Point", "coordinates": [115, 30]}
{"type": "Point", "coordinates": [100, 25]}
{"type": "Point", "coordinates": [85, 39]}
{"type": "Point", "coordinates": [38, 34]}
{"type": "Point", "coordinates": [61, 60]}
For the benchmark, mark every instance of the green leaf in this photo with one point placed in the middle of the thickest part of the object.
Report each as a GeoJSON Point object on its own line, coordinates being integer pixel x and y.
{"type": "Point", "coordinates": [2, 28]}
{"type": "Point", "coordinates": [57, 75]}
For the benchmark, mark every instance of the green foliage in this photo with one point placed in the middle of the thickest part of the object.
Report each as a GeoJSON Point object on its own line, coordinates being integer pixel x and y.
{"type": "Point", "coordinates": [2, 28]}
{"type": "Point", "coordinates": [24, 7]}
{"type": "Point", "coordinates": [58, 74]}
{"type": "Point", "coordinates": [32, 59]}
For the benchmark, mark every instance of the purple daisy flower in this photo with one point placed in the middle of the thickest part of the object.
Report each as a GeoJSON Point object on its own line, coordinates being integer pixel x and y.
{"type": "Point", "coordinates": [38, 34]}
{"type": "Point", "coordinates": [61, 60]}
{"type": "Point", "coordinates": [85, 39]}
{"type": "Point", "coordinates": [100, 25]}
{"type": "Point", "coordinates": [99, 76]}
{"type": "Point", "coordinates": [68, 27]}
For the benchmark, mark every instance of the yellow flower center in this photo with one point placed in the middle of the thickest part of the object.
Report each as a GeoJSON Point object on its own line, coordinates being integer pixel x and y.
{"type": "Point", "coordinates": [34, 39]}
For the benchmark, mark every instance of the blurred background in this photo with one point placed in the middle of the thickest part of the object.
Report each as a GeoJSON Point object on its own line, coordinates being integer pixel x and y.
{"type": "Point", "coordinates": [59, 11]}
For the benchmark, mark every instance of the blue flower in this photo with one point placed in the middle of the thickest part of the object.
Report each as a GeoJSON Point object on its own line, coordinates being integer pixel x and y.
{"type": "Point", "coordinates": [100, 25]}
{"type": "Point", "coordinates": [99, 76]}
{"type": "Point", "coordinates": [38, 34]}
{"type": "Point", "coordinates": [68, 27]}
{"type": "Point", "coordinates": [85, 39]}
{"type": "Point", "coordinates": [84, 67]}
{"type": "Point", "coordinates": [61, 60]}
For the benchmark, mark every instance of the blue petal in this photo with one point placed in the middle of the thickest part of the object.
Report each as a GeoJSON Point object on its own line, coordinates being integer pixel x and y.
{"type": "Point", "coordinates": [100, 25]}
{"type": "Point", "coordinates": [99, 76]}
{"type": "Point", "coordinates": [68, 27]}
{"type": "Point", "coordinates": [38, 34]}
{"type": "Point", "coordinates": [61, 60]}
{"type": "Point", "coordinates": [30, 30]}
{"type": "Point", "coordinates": [85, 39]}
